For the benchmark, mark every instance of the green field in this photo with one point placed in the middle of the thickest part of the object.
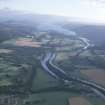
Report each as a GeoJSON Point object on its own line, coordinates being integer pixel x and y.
{"type": "Point", "coordinates": [43, 80]}
{"type": "Point", "coordinates": [50, 98]}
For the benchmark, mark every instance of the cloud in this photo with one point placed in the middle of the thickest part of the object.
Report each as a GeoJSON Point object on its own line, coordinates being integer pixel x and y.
{"type": "Point", "coordinates": [99, 1]}
{"type": "Point", "coordinates": [96, 0]}
{"type": "Point", "coordinates": [5, 0]}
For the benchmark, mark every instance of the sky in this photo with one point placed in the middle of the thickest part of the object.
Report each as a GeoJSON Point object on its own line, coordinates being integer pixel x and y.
{"type": "Point", "coordinates": [88, 10]}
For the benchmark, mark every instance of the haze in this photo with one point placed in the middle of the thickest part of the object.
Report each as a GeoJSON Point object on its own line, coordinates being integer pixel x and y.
{"type": "Point", "coordinates": [85, 10]}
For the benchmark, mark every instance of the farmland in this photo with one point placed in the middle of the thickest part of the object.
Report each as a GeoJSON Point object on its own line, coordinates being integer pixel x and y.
{"type": "Point", "coordinates": [79, 101]}
{"type": "Point", "coordinates": [30, 76]}
{"type": "Point", "coordinates": [96, 75]}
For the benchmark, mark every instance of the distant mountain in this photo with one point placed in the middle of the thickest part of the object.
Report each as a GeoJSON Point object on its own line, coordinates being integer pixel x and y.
{"type": "Point", "coordinates": [95, 33]}
{"type": "Point", "coordinates": [7, 14]}
{"type": "Point", "coordinates": [55, 24]}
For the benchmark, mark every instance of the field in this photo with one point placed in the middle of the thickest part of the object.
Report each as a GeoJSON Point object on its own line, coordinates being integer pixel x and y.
{"type": "Point", "coordinates": [27, 42]}
{"type": "Point", "coordinates": [8, 72]}
{"type": "Point", "coordinates": [16, 60]}
{"type": "Point", "coordinates": [97, 75]}
{"type": "Point", "coordinates": [43, 80]}
{"type": "Point", "coordinates": [20, 67]}
{"type": "Point", "coordinates": [49, 98]}
{"type": "Point", "coordinates": [62, 98]}
{"type": "Point", "coordinates": [23, 42]}
{"type": "Point", "coordinates": [5, 51]}
{"type": "Point", "coordinates": [79, 101]}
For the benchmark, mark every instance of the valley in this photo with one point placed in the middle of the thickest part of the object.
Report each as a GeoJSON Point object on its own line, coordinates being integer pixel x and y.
{"type": "Point", "coordinates": [44, 69]}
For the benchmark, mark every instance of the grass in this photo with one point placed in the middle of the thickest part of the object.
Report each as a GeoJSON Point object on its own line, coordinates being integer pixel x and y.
{"type": "Point", "coordinates": [95, 100]}
{"type": "Point", "coordinates": [59, 98]}
{"type": "Point", "coordinates": [43, 80]}
{"type": "Point", "coordinates": [5, 82]}
{"type": "Point", "coordinates": [7, 72]}
{"type": "Point", "coordinates": [50, 98]}
{"type": "Point", "coordinates": [61, 56]}
{"type": "Point", "coordinates": [5, 51]}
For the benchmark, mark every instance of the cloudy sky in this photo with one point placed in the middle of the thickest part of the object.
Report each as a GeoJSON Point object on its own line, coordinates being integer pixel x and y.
{"type": "Point", "coordinates": [90, 10]}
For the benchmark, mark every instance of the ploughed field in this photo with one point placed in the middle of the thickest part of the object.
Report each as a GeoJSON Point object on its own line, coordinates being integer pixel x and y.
{"type": "Point", "coordinates": [96, 75]}
{"type": "Point", "coordinates": [79, 101]}
{"type": "Point", "coordinates": [27, 42]}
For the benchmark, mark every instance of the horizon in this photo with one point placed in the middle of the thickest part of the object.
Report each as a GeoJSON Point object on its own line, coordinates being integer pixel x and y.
{"type": "Point", "coordinates": [86, 11]}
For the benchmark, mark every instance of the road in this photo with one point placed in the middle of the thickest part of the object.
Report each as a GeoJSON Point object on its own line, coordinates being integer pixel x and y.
{"type": "Point", "coordinates": [58, 73]}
